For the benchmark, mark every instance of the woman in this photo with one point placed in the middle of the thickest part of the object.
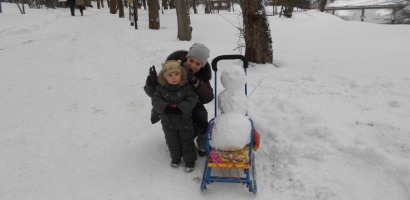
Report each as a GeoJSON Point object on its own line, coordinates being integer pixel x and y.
{"type": "Point", "coordinates": [199, 75]}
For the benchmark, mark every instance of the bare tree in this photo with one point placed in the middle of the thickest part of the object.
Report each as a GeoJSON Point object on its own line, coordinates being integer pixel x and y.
{"type": "Point", "coordinates": [402, 16]}
{"type": "Point", "coordinates": [121, 9]}
{"type": "Point", "coordinates": [322, 5]}
{"type": "Point", "coordinates": [153, 14]}
{"type": "Point", "coordinates": [194, 6]}
{"type": "Point", "coordinates": [113, 6]}
{"type": "Point", "coordinates": [144, 3]}
{"type": "Point", "coordinates": [257, 33]}
{"type": "Point", "coordinates": [184, 22]}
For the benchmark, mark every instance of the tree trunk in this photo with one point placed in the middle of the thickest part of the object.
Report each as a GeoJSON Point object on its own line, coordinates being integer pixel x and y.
{"type": "Point", "coordinates": [120, 9]}
{"type": "Point", "coordinates": [256, 32]}
{"type": "Point", "coordinates": [322, 5]}
{"type": "Point", "coordinates": [184, 22]}
{"type": "Point", "coordinates": [153, 14]}
{"type": "Point", "coordinates": [144, 3]}
{"type": "Point", "coordinates": [113, 6]}
{"type": "Point", "coordinates": [194, 6]}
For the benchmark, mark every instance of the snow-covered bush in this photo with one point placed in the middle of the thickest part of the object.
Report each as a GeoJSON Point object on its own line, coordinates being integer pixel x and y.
{"type": "Point", "coordinates": [403, 16]}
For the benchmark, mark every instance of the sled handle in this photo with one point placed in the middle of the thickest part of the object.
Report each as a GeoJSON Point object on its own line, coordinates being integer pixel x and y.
{"type": "Point", "coordinates": [229, 57]}
{"type": "Point", "coordinates": [215, 68]}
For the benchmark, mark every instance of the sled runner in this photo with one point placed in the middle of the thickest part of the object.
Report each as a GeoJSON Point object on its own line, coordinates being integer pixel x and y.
{"type": "Point", "coordinates": [230, 166]}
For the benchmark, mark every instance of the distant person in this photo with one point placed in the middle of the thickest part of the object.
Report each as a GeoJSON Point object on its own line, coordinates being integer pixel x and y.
{"type": "Point", "coordinates": [71, 3]}
{"type": "Point", "coordinates": [80, 5]}
{"type": "Point", "coordinates": [174, 99]}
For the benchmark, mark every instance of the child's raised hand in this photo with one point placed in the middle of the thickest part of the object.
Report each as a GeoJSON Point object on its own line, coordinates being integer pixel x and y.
{"type": "Point", "coordinates": [153, 74]}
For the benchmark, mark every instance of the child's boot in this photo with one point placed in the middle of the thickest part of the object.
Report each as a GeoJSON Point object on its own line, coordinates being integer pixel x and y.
{"type": "Point", "coordinates": [175, 163]}
{"type": "Point", "coordinates": [189, 166]}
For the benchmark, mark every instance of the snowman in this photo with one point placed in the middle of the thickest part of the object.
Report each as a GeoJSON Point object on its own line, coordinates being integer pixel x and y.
{"type": "Point", "coordinates": [231, 130]}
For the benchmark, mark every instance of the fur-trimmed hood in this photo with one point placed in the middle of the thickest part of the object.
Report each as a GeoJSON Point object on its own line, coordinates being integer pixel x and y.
{"type": "Point", "coordinates": [184, 77]}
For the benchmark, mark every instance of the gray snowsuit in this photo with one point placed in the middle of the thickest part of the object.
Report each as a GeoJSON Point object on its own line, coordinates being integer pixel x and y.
{"type": "Point", "coordinates": [178, 129]}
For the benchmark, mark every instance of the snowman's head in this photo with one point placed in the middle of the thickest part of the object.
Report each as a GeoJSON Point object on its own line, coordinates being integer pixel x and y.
{"type": "Point", "coordinates": [233, 78]}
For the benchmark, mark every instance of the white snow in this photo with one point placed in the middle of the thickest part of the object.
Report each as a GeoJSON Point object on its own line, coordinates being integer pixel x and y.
{"type": "Point", "coordinates": [231, 132]}
{"type": "Point", "coordinates": [333, 114]}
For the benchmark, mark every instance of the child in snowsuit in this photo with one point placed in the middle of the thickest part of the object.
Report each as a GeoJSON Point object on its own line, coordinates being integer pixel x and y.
{"type": "Point", "coordinates": [174, 99]}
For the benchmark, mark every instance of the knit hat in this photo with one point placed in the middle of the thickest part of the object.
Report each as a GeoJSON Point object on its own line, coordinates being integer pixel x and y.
{"type": "Point", "coordinates": [171, 66]}
{"type": "Point", "coordinates": [200, 52]}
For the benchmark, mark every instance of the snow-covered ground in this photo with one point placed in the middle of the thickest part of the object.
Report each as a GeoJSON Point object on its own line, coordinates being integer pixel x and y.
{"type": "Point", "coordinates": [74, 121]}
